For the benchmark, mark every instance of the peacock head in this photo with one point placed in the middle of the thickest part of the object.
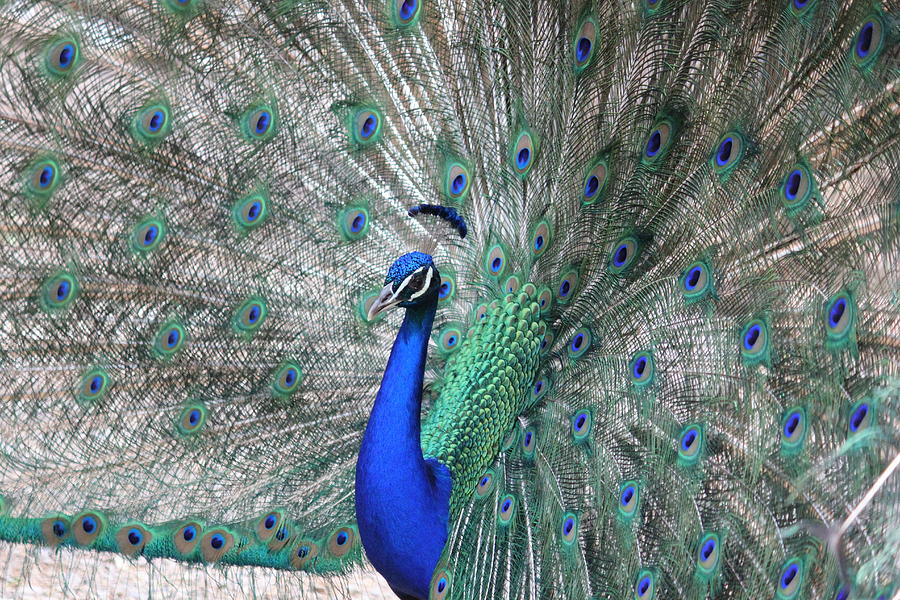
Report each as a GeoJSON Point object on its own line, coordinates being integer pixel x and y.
{"type": "Point", "coordinates": [412, 279]}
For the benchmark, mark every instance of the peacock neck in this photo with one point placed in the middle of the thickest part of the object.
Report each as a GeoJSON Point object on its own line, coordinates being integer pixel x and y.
{"type": "Point", "coordinates": [402, 500]}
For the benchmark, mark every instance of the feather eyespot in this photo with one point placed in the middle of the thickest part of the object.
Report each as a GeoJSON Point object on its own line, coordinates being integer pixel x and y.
{"type": "Point", "coordinates": [169, 339]}
{"type": "Point", "coordinates": [249, 316]}
{"type": "Point", "coordinates": [545, 300]}
{"type": "Point", "coordinates": [869, 41]}
{"type": "Point", "coordinates": [87, 527]}
{"type": "Point", "coordinates": [580, 342]}
{"type": "Point", "coordinates": [55, 530]}
{"type": "Point", "coordinates": [729, 152]}
{"type": "Point", "coordinates": [529, 441]}
{"type": "Point", "coordinates": [450, 338]}
{"type": "Point", "coordinates": [658, 142]}
{"type": "Point", "coordinates": [215, 544]}
{"type": "Point", "coordinates": [800, 6]}
{"type": "Point", "coordinates": [629, 495]}
{"type": "Point", "coordinates": [62, 56]}
{"type": "Point", "coordinates": [151, 124]}
{"type": "Point", "coordinates": [93, 385]}
{"type": "Point", "coordinates": [366, 126]}
{"type": "Point", "coordinates": [250, 212]}
{"type": "Point", "coordinates": [645, 586]}
{"type": "Point", "coordinates": [512, 284]}
{"type": "Point", "coordinates": [540, 388]}
{"type": "Point", "coordinates": [447, 288]}
{"type": "Point", "coordinates": [582, 423]}
{"type": "Point", "coordinates": [287, 380]}
{"type": "Point", "coordinates": [790, 580]}
{"type": "Point", "coordinates": [406, 12]}
{"type": "Point", "coordinates": [696, 282]}
{"type": "Point", "coordinates": [642, 369]}
{"type": "Point", "coordinates": [594, 183]}
{"type": "Point", "coordinates": [147, 235]}
{"type": "Point", "coordinates": [793, 429]}
{"type": "Point", "coordinates": [547, 341]}
{"type": "Point", "coordinates": [566, 287]}
{"type": "Point", "coordinates": [507, 509]}
{"type": "Point", "coordinates": [624, 255]}
{"type": "Point", "coordinates": [708, 553]}
{"type": "Point", "coordinates": [797, 188]}
{"type": "Point", "coordinates": [540, 238]}
{"type": "Point", "coordinates": [304, 554]}
{"type": "Point", "coordinates": [440, 585]}
{"type": "Point", "coordinates": [861, 416]}
{"type": "Point", "coordinates": [523, 153]}
{"type": "Point", "coordinates": [353, 222]}
{"type": "Point", "coordinates": [485, 484]}
{"type": "Point", "coordinates": [341, 541]}
{"type": "Point", "coordinates": [690, 443]}
{"type": "Point", "coordinates": [192, 419]}
{"type": "Point", "coordinates": [457, 181]}
{"type": "Point", "coordinates": [259, 123]}
{"type": "Point", "coordinates": [569, 529]}
{"type": "Point", "coordinates": [43, 178]}
{"type": "Point", "coordinates": [755, 341]}
{"type": "Point", "coordinates": [59, 291]}
{"type": "Point", "coordinates": [583, 45]}
{"type": "Point", "coordinates": [132, 539]}
{"type": "Point", "coordinates": [840, 320]}
{"type": "Point", "coordinates": [495, 261]}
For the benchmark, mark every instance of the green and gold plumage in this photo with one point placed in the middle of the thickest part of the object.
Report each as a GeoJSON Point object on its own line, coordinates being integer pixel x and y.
{"type": "Point", "coordinates": [666, 362]}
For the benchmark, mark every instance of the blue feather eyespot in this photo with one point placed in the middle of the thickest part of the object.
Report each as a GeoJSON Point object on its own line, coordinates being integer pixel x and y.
{"type": "Point", "coordinates": [583, 44]}
{"type": "Point", "coordinates": [755, 342]}
{"type": "Point", "coordinates": [582, 423]}
{"type": "Point", "coordinates": [690, 444]}
{"type": "Point", "coordinates": [801, 6]}
{"type": "Point", "coordinates": [287, 380]}
{"type": "Point", "coordinates": [481, 312]}
{"type": "Point", "coordinates": [406, 12]}
{"type": "Point", "coordinates": [249, 316]}
{"type": "Point", "coordinates": [629, 498]}
{"type": "Point", "coordinates": [42, 178]}
{"type": "Point", "coordinates": [366, 126]}
{"type": "Point", "coordinates": [696, 282]}
{"type": "Point", "coordinates": [624, 255]}
{"type": "Point", "coordinates": [840, 320]}
{"type": "Point", "coordinates": [842, 594]}
{"type": "Point", "coordinates": [797, 189]}
{"type": "Point", "coordinates": [545, 300]}
{"type": "Point", "coordinates": [495, 261]}
{"type": "Point", "coordinates": [188, 533]}
{"type": "Point", "coordinates": [93, 386]}
{"type": "Point", "coordinates": [169, 339]}
{"type": "Point", "coordinates": [547, 341]}
{"type": "Point", "coordinates": [507, 509]}
{"type": "Point", "coordinates": [251, 211]}
{"type": "Point", "coordinates": [540, 388]}
{"type": "Point", "coordinates": [485, 484]}
{"type": "Point", "coordinates": [645, 585]}
{"type": "Point", "coordinates": [793, 430]}
{"type": "Point", "coordinates": [523, 153]}
{"type": "Point", "coordinates": [708, 553]}
{"type": "Point", "coordinates": [512, 284]}
{"type": "Point", "coordinates": [55, 530]}
{"type": "Point", "coordinates": [540, 238]}
{"type": "Point", "coordinates": [62, 56]}
{"type": "Point", "coordinates": [790, 581]}
{"type": "Point", "coordinates": [529, 442]}
{"type": "Point", "coordinates": [869, 41]}
{"type": "Point", "coordinates": [341, 541]}
{"type": "Point", "coordinates": [151, 124]}
{"type": "Point", "coordinates": [862, 416]}
{"type": "Point", "coordinates": [658, 141]}
{"type": "Point", "coordinates": [450, 338]}
{"type": "Point", "coordinates": [191, 419]}
{"type": "Point", "coordinates": [447, 289]}
{"type": "Point", "coordinates": [642, 369]}
{"type": "Point", "coordinates": [87, 527]}
{"type": "Point", "coordinates": [440, 585]}
{"type": "Point", "coordinates": [186, 538]}
{"type": "Point", "coordinates": [729, 152]}
{"type": "Point", "coordinates": [580, 342]}
{"type": "Point", "coordinates": [259, 123]}
{"type": "Point", "coordinates": [353, 222]}
{"type": "Point", "coordinates": [131, 539]}
{"type": "Point", "coordinates": [457, 181]}
{"type": "Point", "coordinates": [214, 545]}
{"type": "Point", "coordinates": [569, 529]}
{"type": "Point", "coordinates": [147, 235]}
{"type": "Point", "coordinates": [59, 291]}
{"type": "Point", "coordinates": [568, 283]}
{"type": "Point", "coordinates": [304, 554]}
{"type": "Point", "coordinates": [595, 182]}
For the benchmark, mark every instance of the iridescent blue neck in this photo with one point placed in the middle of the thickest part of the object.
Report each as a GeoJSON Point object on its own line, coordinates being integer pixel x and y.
{"type": "Point", "coordinates": [402, 500]}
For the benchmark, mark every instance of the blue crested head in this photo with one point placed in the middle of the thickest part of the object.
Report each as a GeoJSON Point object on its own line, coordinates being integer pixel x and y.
{"type": "Point", "coordinates": [412, 279]}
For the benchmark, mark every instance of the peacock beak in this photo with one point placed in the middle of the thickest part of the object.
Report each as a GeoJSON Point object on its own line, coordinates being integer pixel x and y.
{"type": "Point", "coordinates": [385, 300]}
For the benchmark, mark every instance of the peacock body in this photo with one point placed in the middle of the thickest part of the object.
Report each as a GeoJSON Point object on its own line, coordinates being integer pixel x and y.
{"type": "Point", "coordinates": [650, 324]}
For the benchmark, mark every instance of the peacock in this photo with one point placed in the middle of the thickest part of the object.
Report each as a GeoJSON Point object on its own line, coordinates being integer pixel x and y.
{"type": "Point", "coordinates": [519, 299]}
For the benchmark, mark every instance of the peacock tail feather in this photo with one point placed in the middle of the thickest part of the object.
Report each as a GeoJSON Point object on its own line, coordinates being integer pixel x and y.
{"type": "Point", "coordinates": [666, 357]}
